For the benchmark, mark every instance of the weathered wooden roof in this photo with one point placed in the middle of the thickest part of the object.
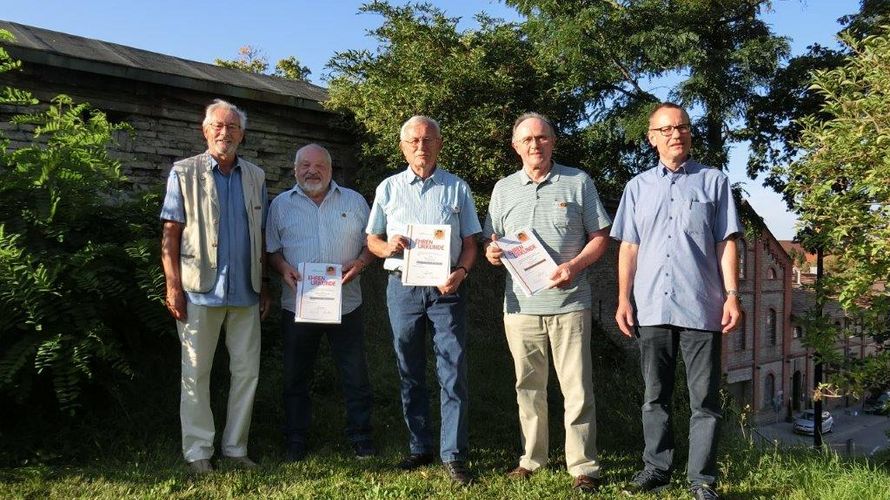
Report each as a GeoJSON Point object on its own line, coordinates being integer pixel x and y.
{"type": "Point", "coordinates": [52, 48]}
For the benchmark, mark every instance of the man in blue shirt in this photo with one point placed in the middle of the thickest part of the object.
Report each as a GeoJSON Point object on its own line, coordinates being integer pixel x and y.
{"type": "Point", "coordinates": [424, 193]}
{"type": "Point", "coordinates": [677, 225]}
{"type": "Point", "coordinates": [321, 221]}
{"type": "Point", "coordinates": [212, 255]}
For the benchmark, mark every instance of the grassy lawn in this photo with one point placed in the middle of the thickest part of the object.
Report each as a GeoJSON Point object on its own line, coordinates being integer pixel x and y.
{"type": "Point", "coordinates": [127, 444]}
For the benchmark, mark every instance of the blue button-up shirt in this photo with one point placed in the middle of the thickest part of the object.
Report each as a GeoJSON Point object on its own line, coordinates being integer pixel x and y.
{"type": "Point", "coordinates": [441, 198]}
{"type": "Point", "coordinates": [677, 219]}
{"type": "Point", "coordinates": [232, 286]}
{"type": "Point", "coordinates": [332, 232]}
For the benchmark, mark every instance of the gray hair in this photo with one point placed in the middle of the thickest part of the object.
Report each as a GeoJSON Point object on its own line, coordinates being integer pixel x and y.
{"type": "Point", "coordinates": [528, 116]}
{"type": "Point", "coordinates": [419, 119]}
{"type": "Point", "coordinates": [307, 147]}
{"type": "Point", "coordinates": [220, 104]}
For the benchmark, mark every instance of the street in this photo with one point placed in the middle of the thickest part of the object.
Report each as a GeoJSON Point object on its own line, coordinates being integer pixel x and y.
{"type": "Point", "coordinates": [853, 433]}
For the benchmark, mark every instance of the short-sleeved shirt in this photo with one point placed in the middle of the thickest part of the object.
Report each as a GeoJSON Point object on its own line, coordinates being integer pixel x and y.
{"type": "Point", "coordinates": [677, 219]}
{"type": "Point", "coordinates": [562, 210]}
{"type": "Point", "coordinates": [441, 198]}
{"type": "Point", "coordinates": [332, 232]}
{"type": "Point", "coordinates": [233, 285]}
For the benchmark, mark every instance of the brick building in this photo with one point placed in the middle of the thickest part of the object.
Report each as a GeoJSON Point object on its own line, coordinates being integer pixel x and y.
{"type": "Point", "coordinates": [163, 98]}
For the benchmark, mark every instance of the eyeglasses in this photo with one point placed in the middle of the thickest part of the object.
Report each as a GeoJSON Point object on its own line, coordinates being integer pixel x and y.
{"type": "Point", "coordinates": [540, 139]}
{"type": "Point", "coordinates": [668, 131]}
{"type": "Point", "coordinates": [420, 140]}
{"type": "Point", "coordinates": [218, 126]}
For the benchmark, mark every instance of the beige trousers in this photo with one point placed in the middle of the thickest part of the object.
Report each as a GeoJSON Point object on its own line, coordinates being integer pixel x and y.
{"type": "Point", "coordinates": [199, 335]}
{"type": "Point", "coordinates": [568, 336]}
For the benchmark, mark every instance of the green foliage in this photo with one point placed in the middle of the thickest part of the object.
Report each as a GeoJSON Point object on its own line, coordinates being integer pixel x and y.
{"type": "Point", "coordinates": [252, 60]}
{"type": "Point", "coordinates": [74, 264]}
{"type": "Point", "coordinates": [475, 83]}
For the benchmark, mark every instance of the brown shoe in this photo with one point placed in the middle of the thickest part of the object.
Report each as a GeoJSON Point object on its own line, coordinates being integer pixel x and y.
{"type": "Point", "coordinates": [586, 484]}
{"type": "Point", "coordinates": [520, 473]}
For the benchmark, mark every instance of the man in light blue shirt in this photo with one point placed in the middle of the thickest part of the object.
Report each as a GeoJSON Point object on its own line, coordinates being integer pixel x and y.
{"type": "Point", "coordinates": [212, 255]}
{"type": "Point", "coordinates": [560, 204]}
{"type": "Point", "coordinates": [426, 194]}
{"type": "Point", "coordinates": [677, 225]}
{"type": "Point", "coordinates": [321, 221]}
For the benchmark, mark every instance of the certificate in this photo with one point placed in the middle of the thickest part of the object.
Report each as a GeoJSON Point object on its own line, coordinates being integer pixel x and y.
{"type": "Point", "coordinates": [527, 261]}
{"type": "Point", "coordinates": [428, 256]}
{"type": "Point", "coordinates": [319, 293]}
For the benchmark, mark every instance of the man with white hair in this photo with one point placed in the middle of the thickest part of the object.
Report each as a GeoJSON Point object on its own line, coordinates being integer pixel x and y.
{"type": "Point", "coordinates": [320, 221]}
{"type": "Point", "coordinates": [424, 193]}
{"type": "Point", "coordinates": [213, 260]}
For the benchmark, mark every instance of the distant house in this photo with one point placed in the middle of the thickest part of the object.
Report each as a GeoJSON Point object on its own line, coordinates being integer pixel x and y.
{"type": "Point", "coordinates": [163, 98]}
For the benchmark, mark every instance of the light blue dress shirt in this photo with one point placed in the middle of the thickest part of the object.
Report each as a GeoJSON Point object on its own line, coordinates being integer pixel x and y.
{"type": "Point", "coordinates": [677, 219]}
{"type": "Point", "coordinates": [232, 286]}
{"type": "Point", "coordinates": [332, 232]}
{"type": "Point", "coordinates": [441, 198]}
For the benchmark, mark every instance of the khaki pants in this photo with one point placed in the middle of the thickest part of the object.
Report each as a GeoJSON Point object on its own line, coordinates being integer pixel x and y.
{"type": "Point", "coordinates": [568, 335]}
{"type": "Point", "coordinates": [199, 335]}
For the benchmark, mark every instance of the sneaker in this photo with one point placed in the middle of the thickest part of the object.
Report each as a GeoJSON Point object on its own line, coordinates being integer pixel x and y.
{"type": "Point", "coordinates": [586, 484]}
{"type": "Point", "coordinates": [241, 462]}
{"type": "Point", "coordinates": [202, 466]}
{"type": "Point", "coordinates": [416, 460]}
{"type": "Point", "coordinates": [364, 449]}
{"type": "Point", "coordinates": [648, 480]}
{"type": "Point", "coordinates": [703, 492]}
{"type": "Point", "coordinates": [459, 472]}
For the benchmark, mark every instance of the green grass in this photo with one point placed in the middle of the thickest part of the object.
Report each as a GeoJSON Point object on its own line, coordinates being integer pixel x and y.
{"type": "Point", "coordinates": [126, 445]}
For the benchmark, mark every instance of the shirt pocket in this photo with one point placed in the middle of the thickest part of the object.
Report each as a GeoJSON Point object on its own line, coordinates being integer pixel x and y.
{"type": "Point", "coordinates": [699, 216]}
{"type": "Point", "coordinates": [450, 213]}
{"type": "Point", "coordinates": [566, 214]}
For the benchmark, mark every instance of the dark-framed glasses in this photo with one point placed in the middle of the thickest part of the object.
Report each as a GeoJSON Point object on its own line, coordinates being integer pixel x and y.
{"type": "Point", "coordinates": [683, 128]}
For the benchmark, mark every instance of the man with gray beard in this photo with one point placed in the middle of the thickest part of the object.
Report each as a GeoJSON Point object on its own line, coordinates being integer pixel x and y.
{"type": "Point", "coordinates": [321, 221]}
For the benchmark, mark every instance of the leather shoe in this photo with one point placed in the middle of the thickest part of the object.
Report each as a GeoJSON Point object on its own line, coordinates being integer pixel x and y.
{"type": "Point", "coordinates": [202, 466]}
{"type": "Point", "coordinates": [241, 462]}
{"type": "Point", "coordinates": [459, 472]}
{"type": "Point", "coordinates": [520, 473]}
{"type": "Point", "coordinates": [416, 460]}
{"type": "Point", "coordinates": [586, 484]}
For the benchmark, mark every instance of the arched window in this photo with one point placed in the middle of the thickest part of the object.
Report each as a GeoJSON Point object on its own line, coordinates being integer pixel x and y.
{"type": "Point", "coordinates": [771, 274]}
{"type": "Point", "coordinates": [740, 333]}
{"type": "Point", "coordinates": [771, 326]}
{"type": "Point", "coordinates": [769, 390]}
{"type": "Point", "coordinates": [743, 257]}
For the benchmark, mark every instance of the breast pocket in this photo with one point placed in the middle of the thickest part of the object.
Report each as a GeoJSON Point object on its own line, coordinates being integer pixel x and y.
{"type": "Point", "coordinates": [699, 215]}
{"type": "Point", "coordinates": [450, 213]}
{"type": "Point", "coordinates": [566, 214]}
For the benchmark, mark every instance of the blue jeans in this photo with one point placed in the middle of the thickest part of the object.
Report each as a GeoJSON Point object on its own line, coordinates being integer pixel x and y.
{"type": "Point", "coordinates": [347, 343]}
{"type": "Point", "coordinates": [411, 310]}
{"type": "Point", "coordinates": [659, 346]}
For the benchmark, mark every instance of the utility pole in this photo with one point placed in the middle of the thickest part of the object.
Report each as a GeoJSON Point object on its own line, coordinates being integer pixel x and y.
{"type": "Point", "coordinates": [817, 360]}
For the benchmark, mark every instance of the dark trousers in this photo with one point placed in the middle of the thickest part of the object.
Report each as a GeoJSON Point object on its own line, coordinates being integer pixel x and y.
{"type": "Point", "coordinates": [411, 310]}
{"type": "Point", "coordinates": [347, 343]}
{"type": "Point", "coordinates": [659, 346]}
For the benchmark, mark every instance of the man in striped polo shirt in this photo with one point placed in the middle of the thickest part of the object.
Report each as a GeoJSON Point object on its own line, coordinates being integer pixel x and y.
{"type": "Point", "coordinates": [561, 205]}
{"type": "Point", "coordinates": [321, 221]}
{"type": "Point", "coordinates": [424, 193]}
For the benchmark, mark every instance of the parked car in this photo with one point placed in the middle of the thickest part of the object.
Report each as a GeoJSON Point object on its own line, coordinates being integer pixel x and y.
{"type": "Point", "coordinates": [804, 422]}
{"type": "Point", "coordinates": [878, 404]}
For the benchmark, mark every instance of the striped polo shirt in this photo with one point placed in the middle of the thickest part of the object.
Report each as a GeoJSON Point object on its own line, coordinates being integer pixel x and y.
{"type": "Point", "coordinates": [562, 210]}
{"type": "Point", "coordinates": [441, 198]}
{"type": "Point", "coordinates": [330, 232]}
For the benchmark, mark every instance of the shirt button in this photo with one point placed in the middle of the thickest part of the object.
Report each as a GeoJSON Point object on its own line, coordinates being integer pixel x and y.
{"type": "Point", "coordinates": [671, 217]}
{"type": "Point", "coordinates": [669, 256]}
{"type": "Point", "coordinates": [669, 236]}
{"type": "Point", "coordinates": [672, 199]}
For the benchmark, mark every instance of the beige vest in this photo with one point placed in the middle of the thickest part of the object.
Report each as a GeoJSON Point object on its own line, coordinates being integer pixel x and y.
{"type": "Point", "coordinates": [197, 253]}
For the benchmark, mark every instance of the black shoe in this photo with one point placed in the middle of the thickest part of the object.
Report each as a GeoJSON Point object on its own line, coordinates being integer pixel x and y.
{"type": "Point", "coordinates": [296, 452]}
{"type": "Point", "coordinates": [416, 460]}
{"type": "Point", "coordinates": [459, 472]}
{"type": "Point", "coordinates": [648, 480]}
{"type": "Point", "coordinates": [364, 449]}
{"type": "Point", "coordinates": [703, 492]}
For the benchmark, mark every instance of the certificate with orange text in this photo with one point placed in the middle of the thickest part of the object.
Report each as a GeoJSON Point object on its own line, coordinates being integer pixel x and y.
{"type": "Point", "coordinates": [527, 261]}
{"type": "Point", "coordinates": [428, 256]}
{"type": "Point", "coordinates": [319, 293]}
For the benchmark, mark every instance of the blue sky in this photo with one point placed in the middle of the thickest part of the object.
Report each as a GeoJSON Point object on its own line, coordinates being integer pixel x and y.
{"type": "Point", "coordinates": [313, 31]}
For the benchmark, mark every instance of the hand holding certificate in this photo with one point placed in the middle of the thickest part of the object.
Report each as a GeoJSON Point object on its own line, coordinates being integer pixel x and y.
{"type": "Point", "coordinates": [319, 293]}
{"type": "Point", "coordinates": [527, 261]}
{"type": "Point", "coordinates": [428, 256]}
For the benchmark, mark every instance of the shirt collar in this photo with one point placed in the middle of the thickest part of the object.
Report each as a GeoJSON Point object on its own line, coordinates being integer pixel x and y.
{"type": "Point", "coordinates": [413, 177]}
{"type": "Point", "coordinates": [214, 165]}
{"type": "Point", "coordinates": [552, 175]}
{"type": "Point", "coordinates": [687, 167]}
{"type": "Point", "coordinates": [331, 188]}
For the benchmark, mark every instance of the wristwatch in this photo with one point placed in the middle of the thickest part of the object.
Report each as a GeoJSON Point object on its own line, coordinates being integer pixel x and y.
{"type": "Point", "coordinates": [732, 292]}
